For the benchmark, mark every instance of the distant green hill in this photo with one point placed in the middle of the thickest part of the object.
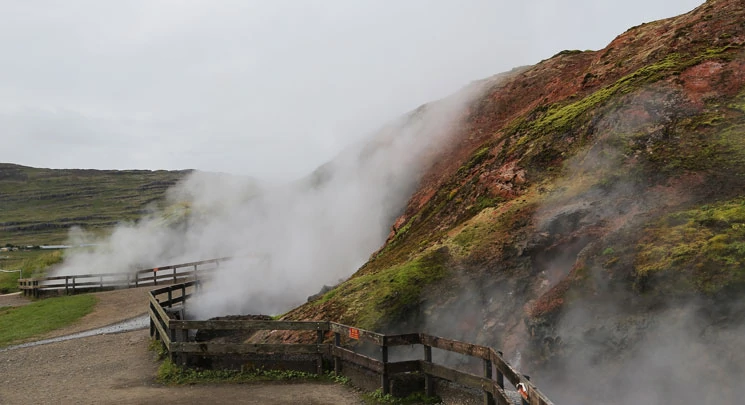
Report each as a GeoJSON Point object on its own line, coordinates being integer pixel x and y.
{"type": "Point", "coordinates": [38, 206]}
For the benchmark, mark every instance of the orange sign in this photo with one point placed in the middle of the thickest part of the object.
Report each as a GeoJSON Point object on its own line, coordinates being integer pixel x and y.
{"type": "Point", "coordinates": [155, 269]}
{"type": "Point", "coordinates": [354, 333]}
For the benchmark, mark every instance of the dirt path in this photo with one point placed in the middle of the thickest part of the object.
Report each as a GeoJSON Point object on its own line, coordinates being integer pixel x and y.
{"type": "Point", "coordinates": [112, 307]}
{"type": "Point", "coordinates": [13, 300]}
{"type": "Point", "coordinates": [118, 369]}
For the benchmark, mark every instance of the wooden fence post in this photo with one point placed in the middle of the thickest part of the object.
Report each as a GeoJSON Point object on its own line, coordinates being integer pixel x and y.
{"type": "Point", "coordinates": [384, 375]}
{"type": "Point", "coordinates": [137, 279]}
{"type": "Point", "coordinates": [500, 375]}
{"type": "Point", "coordinates": [155, 277]}
{"type": "Point", "coordinates": [152, 323]}
{"type": "Point", "coordinates": [170, 298]}
{"type": "Point", "coordinates": [67, 290]}
{"type": "Point", "coordinates": [429, 388]}
{"type": "Point", "coordinates": [319, 361]}
{"type": "Point", "coordinates": [73, 284]}
{"type": "Point", "coordinates": [488, 396]}
{"type": "Point", "coordinates": [337, 343]}
{"type": "Point", "coordinates": [174, 275]}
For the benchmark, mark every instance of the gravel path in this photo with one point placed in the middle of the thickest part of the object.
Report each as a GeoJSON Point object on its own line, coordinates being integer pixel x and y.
{"type": "Point", "coordinates": [118, 369]}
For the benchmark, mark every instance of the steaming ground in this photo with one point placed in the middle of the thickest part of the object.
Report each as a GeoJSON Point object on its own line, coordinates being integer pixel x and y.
{"type": "Point", "coordinates": [289, 239]}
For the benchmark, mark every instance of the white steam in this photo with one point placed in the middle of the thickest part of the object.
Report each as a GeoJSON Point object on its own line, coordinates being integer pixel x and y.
{"type": "Point", "coordinates": [290, 239]}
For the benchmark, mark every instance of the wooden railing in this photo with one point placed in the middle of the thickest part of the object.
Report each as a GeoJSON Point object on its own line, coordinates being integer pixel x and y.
{"type": "Point", "coordinates": [175, 336]}
{"type": "Point", "coordinates": [73, 284]}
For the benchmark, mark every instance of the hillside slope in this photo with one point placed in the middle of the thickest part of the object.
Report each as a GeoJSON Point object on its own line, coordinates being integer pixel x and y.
{"type": "Point", "coordinates": [584, 205]}
{"type": "Point", "coordinates": [38, 206]}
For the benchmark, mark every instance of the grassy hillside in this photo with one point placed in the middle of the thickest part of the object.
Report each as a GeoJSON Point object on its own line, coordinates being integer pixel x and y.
{"type": "Point", "coordinates": [38, 206]}
{"type": "Point", "coordinates": [597, 179]}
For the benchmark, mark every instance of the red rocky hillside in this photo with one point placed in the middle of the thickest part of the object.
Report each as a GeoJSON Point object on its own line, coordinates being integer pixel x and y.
{"type": "Point", "coordinates": [604, 183]}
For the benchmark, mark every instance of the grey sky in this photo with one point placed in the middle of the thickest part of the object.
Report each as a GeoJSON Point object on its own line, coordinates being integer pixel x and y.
{"type": "Point", "coordinates": [265, 88]}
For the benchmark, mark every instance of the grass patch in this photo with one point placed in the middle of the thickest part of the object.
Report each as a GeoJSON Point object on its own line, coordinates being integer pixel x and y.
{"type": "Point", "coordinates": [169, 373]}
{"type": "Point", "coordinates": [377, 397]}
{"type": "Point", "coordinates": [20, 323]}
{"type": "Point", "coordinates": [32, 263]}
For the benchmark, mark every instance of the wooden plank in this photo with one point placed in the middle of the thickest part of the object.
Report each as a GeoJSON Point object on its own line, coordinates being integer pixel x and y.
{"type": "Point", "coordinates": [364, 335]}
{"type": "Point", "coordinates": [456, 346]}
{"type": "Point", "coordinates": [358, 359]}
{"type": "Point", "coordinates": [190, 264]}
{"type": "Point", "coordinates": [402, 340]}
{"type": "Point", "coordinates": [160, 311]}
{"type": "Point", "coordinates": [150, 278]}
{"type": "Point", "coordinates": [164, 337]}
{"type": "Point", "coordinates": [459, 377]}
{"type": "Point", "coordinates": [250, 324]}
{"type": "Point", "coordinates": [536, 397]}
{"type": "Point", "coordinates": [161, 290]}
{"type": "Point", "coordinates": [403, 366]}
{"type": "Point", "coordinates": [466, 379]}
{"type": "Point", "coordinates": [509, 373]}
{"type": "Point", "coordinates": [207, 348]}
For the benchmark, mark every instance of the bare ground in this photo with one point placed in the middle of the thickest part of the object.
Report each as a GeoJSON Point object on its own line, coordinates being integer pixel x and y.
{"type": "Point", "coordinates": [118, 368]}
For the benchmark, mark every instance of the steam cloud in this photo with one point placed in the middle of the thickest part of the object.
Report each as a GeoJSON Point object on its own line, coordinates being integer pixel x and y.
{"type": "Point", "coordinates": [290, 239]}
{"type": "Point", "coordinates": [616, 346]}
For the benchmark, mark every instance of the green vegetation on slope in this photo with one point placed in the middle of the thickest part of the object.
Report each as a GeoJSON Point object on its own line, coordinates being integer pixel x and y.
{"type": "Point", "coordinates": [390, 293]}
{"type": "Point", "coordinates": [560, 118]}
{"type": "Point", "coordinates": [706, 244]}
{"type": "Point", "coordinates": [32, 263]}
{"type": "Point", "coordinates": [40, 205]}
{"type": "Point", "coordinates": [20, 323]}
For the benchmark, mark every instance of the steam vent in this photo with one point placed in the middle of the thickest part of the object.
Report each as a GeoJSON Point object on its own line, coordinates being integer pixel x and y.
{"type": "Point", "coordinates": [587, 218]}
{"type": "Point", "coordinates": [575, 227]}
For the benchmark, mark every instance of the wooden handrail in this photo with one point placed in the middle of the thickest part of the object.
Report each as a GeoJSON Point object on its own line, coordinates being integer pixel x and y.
{"type": "Point", "coordinates": [100, 281]}
{"type": "Point", "coordinates": [492, 386]}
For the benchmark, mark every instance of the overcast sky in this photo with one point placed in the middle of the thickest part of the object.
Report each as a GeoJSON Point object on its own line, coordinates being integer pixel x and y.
{"type": "Point", "coordinates": [265, 88]}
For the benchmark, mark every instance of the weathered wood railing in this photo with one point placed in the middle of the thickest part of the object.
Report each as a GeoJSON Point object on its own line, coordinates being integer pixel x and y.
{"type": "Point", "coordinates": [175, 336]}
{"type": "Point", "coordinates": [73, 284]}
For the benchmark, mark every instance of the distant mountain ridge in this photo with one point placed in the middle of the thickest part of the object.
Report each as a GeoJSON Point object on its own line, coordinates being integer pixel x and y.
{"type": "Point", "coordinates": [39, 206]}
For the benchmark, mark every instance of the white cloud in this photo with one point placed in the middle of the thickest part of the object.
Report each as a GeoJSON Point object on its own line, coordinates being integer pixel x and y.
{"type": "Point", "coordinates": [231, 85]}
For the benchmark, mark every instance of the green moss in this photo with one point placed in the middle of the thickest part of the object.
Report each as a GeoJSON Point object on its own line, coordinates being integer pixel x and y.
{"type": "Point", "coordinates": [389, 293]}
{"type": "Point", "coordinates": [560, 118]}
{"type": "Point", "coordinates": [478, 157]}
{"type": "Point", "coordinates": [483, 202]}
{"type": "Point", "coordinates": [738, 103]}
{"type": "Point", "coordinates": [705, 245]}
{"type": "Point", "coordinates": [567, 52]}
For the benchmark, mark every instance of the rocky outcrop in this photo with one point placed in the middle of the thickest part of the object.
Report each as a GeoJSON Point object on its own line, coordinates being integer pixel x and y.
{"type": "Point", "coordinates": [581, 200]}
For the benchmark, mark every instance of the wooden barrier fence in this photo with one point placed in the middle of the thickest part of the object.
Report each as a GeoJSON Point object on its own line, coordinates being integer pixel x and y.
{"type": "Point", "coordinates": [175, 336]}
{"type": "Point", "coordinates": [97, 282]}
